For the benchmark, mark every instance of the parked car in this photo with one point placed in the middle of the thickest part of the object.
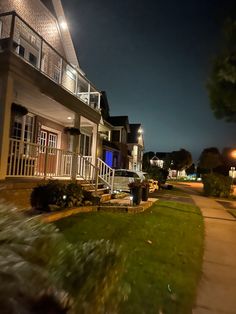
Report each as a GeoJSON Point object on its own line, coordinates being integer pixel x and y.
{"type": "Point", "coordinates": [123, 177]}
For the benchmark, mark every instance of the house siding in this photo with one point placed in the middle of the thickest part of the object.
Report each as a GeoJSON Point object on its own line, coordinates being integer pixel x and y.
{"type": "Point", "coordinates": [38, 17]}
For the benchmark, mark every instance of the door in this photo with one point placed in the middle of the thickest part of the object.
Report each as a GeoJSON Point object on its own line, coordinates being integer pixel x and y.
{"type": "Point", "coordinates": [48, 153]}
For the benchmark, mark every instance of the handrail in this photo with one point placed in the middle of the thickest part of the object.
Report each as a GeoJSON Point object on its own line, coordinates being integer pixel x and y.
{"type": "Point", "coordinates": [106, 174]}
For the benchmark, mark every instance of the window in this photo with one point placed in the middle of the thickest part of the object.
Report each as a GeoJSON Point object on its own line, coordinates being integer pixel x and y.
{"type": "Point", "coordinates": [32, 59]}
{"type": "Point", "coordinates": [28, 51]}
{"type": "Point", "coordinates": [85, 145]}
{"type": "Point", "coordinates": [115, 136]}
{"type": "Point", "coordinates": [21, 51]}
{"type": "Point", "coordinates": [22, 128]}
{"type": "Point", "coordinates": [48, 139]}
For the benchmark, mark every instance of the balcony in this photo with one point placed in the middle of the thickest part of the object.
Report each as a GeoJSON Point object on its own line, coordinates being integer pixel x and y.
{"type": "Point", "coordinates": [20, 38]}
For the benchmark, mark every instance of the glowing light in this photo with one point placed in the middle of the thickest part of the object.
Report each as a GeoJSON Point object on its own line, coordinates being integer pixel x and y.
{"type": "Point", "coordinates": [233, 154]}
{"type": "Point", "coordinates": [69, 118]}
{"type": "Point", "coordinates": [140, 131]}
{"type": "Point", "coordinates": [63, 25]}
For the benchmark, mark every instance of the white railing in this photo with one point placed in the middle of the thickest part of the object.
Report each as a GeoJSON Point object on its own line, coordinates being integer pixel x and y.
{"type": "Point", "coordinates": [15, 33]}
{"type": "Point", "coordinates": [85, 169]}
{"type": "Point", "coordinates": [106, 174]}
{"type": "Point", "coordinates": [33, 160]}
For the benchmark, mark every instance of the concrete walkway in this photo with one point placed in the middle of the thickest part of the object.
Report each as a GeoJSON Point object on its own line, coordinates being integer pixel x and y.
{"type": "Point", "coordinates": [217, 287]}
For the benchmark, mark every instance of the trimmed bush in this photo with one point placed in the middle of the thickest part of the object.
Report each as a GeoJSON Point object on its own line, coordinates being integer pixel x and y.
{"type": "Point", "coordinates": [217, 185]}
{"type": "Point", "coordinates": [90, 198]}
{"type": "Point", "coordinates": [55, 195]}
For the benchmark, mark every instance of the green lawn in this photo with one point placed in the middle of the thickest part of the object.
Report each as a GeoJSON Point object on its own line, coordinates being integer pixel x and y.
{"type": "Point", "coordinates": [232, 212]}
{"type": "Point", "coordinates": [164, 247]}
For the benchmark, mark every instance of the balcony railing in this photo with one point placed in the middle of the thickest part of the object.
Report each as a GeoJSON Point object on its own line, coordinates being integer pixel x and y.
{"type": "Point", "coordinates": [25, 42]}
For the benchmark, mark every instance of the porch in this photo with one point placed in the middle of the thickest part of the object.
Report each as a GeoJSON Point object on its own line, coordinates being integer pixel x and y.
{"type": "Point", "coordinates": [35, 161]}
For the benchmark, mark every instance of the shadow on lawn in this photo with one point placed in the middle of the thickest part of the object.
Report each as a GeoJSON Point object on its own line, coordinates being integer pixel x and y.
{"type": "Point", "coordinates": [180, 209]}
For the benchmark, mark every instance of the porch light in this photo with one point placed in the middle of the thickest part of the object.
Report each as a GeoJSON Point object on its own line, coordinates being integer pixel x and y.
{"type": "Point", "coordinates": [140, 131]}
{"type": "Point", "coordinates": [69, 118]}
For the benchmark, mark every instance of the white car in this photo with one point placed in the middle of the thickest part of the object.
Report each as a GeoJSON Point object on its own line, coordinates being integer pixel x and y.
{"type": "Point", "coordinates": [123, 177]}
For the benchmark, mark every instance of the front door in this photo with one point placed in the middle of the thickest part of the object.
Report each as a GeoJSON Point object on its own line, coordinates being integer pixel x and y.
{"type": "Point", "coordinates": [48, 153]}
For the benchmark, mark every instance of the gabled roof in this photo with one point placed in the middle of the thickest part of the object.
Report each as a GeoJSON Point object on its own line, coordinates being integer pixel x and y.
{"type": "Point", "coordinates": [120, 121]}
{"type": "Point", "coordinates": [49, 5]}
{"type": "Point", "coordinates": [56, 6]}
{"type": "Point", "coordinates": [133, 135]}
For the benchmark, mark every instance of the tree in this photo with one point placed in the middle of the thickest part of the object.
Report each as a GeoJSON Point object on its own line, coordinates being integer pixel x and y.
{"type": "Point", "coordinates": [210, 159]}
{"type": "Point", "coordinates": [222, 82]}
{"type": "Point", "coordinates": [146, 160]}
{"type": "Point", "coordinates": [181, 159]}
{"type": "Point", "coordinates": [191, 169]}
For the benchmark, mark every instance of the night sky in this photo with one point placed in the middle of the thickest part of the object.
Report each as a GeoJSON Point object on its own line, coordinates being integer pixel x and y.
{"type": "Point", "coordinates": [153, 58]}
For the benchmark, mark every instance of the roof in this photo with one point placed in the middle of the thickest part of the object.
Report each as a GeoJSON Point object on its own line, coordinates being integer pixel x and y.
{"type": "Point", "coordinates": [133, 135]}
{"type": "Point", "coordinates": [119, 121]}
{"type": "Point", "coordinates": [162, 155]}
{"type": "Point", "coordinates": [65, 34]}
{"type": "Point", "coordinates": [49, 5]}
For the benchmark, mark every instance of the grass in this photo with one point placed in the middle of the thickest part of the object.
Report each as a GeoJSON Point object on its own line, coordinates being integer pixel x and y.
{"type": "Point", "coordinates": [163, 246]}
{"type": "Point", "coordinates": [232, 212]}
{"type": "Point", "coordinates": [175, 192]}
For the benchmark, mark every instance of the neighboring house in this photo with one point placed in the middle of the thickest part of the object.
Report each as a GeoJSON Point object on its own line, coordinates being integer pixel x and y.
{"type": "Point", "coordinates": [121, 143]}
{"type": "Point", "coordinates": [119, 134]}
{"type": "Point", "coordinates": [136, 146]}
{"type": "Point", "coordinates": [163, 160]}
{"type": "Point", "coordinates": [49, 110]}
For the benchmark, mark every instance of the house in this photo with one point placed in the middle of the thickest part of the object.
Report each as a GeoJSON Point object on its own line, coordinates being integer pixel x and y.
{"type": "Point", "coordinates": [119, 135]}
{"type": "Point", "coordinates": [135, 143]}
{"type": "Point", "coordinates": [49, 110]}
{"type": "Point", "coordinates": [121, 143]}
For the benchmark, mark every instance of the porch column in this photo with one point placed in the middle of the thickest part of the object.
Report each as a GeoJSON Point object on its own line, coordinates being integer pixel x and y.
{"type": "Point", "coordinates": [6, 99]}
{"type": "Point", "coordinates": [95, 154]}
{"type": "Point", "coordinates": [75, 147]}
{"type": "Point", "coordinates": [94, 144]}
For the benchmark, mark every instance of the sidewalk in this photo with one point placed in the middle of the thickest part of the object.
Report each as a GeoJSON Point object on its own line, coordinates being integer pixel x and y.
{"type": "Point", "coordinates": [217, 287]}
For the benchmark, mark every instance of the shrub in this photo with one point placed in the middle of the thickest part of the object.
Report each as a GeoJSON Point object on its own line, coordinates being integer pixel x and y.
{"type": "Point", "coordinates": [74, 195]}
{"type": "Point", "coordinates": [89, 272]}
{"type": "Point", "coordinates": [217, 185]}
{"type": "Point", "coordinates": [58, 194]}
{"type": "Point", "coordinates": [42, 273]}
{"type": "Point", "coordinates": [89, 197]}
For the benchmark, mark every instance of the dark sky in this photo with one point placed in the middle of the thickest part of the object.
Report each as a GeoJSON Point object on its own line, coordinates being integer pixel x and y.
{"type": "Point", "coordinates": [152, 58]}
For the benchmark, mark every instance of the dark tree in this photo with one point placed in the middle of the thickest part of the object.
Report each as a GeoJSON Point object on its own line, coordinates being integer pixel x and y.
{"type": "Point", "coordinates": [181, 159]}
{"type": "Point", "coordinates": [146, 160]}
{"type": "Point", "coordinates": [191, 169]}
{"type": "Point", "coordinates": [209, 160]}
{"type": "Point", "coordinates": [222, 82]}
